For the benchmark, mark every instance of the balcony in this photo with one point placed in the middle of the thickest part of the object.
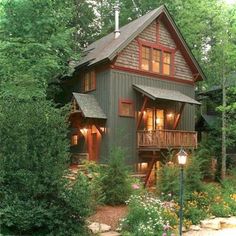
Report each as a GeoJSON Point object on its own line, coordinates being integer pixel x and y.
{"type": "Point", "coordinates": [162, 139]}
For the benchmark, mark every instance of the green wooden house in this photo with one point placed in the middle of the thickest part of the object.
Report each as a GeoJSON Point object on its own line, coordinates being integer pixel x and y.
{"type": "Point", "coordinates": [134, 88]}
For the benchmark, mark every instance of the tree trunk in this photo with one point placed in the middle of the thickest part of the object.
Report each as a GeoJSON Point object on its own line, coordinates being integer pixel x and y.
{"type": "Point", "coordinates": [223, 164]}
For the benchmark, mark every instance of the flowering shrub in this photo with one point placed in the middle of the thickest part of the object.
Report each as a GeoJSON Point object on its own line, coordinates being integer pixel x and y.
{"type": "Point", "coordinates": [145, 217]}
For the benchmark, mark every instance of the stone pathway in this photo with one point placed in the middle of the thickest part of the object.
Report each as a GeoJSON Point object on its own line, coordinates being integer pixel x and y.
{"type": "Point", "coordinates": [208, 227]}
{"type": "Point", "coordinates": [215, 227]}
{"type": "Point", "coordinates": [210, 232]}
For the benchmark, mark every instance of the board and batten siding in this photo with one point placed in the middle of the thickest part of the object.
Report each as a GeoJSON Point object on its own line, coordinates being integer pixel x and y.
{"type": "Point", "coordinates": [102, 96]}
{"type": "Point", "coordinates": [122, 130]}
{"type": "Point", "coordinates": [129, 56]}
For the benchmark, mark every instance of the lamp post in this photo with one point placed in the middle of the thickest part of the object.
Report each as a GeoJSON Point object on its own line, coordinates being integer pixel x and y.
{"type": "Point", "coordinates": [182, 158]}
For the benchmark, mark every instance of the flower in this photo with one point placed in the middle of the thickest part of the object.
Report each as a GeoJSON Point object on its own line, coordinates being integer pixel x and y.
{"type": "Point", "coordinates": [164, 234]}
{"type": "Point", "coordinates": [135, 186]}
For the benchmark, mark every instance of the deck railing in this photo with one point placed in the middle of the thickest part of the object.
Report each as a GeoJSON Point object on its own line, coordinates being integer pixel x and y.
{"type": "Point", "coordinates": [166, 139]}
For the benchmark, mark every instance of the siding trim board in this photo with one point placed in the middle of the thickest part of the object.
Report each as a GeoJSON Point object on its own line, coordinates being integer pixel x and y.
{"type": "Point", "coordinates": [151, 74]}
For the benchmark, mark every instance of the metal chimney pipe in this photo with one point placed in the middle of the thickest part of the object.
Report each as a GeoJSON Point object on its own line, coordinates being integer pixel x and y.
{"type": "Point", "coordinates": [117, 11]}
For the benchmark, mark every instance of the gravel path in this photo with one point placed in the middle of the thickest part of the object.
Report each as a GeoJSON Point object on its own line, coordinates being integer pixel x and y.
{"type": "Point", "coordinates": [109, 215]}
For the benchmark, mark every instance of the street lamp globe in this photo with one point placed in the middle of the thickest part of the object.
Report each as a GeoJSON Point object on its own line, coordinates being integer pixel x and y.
{"type": "Point", "coordinates": [182, 157]}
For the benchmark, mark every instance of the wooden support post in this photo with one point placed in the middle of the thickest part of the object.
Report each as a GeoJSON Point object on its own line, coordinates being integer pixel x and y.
{"type": "Point", "coordinates": [176, 122]}
{"type": "Point", "coordinates": [142, 110]}
{"type": "Point", "coordinates": [149, 171]}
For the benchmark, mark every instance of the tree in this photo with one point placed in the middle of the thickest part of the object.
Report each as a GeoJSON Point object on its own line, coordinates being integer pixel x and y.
{"type": "Point", "coordinates": [36, 43]}
{"type": "Point", "coordinates": [35, 195]}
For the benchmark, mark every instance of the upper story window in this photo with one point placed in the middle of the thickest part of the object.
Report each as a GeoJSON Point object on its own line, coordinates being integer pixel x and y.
{"type": "Point", "coordinates": [166, 63]}
{"type": "Point", "coordinates": [156, 60]}
{"type": "Point", "coordinates": [89, 81]}
{"type": "Point", "coordinates": [146, 55]}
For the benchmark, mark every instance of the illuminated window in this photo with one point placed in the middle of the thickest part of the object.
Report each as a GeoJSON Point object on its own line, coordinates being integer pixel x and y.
{"type": "Point", "coordinates": [126, 108]}
{"type": "Point", "coordinates": [156, 60]}
{"type": "Point", "coordinates": [155, 119]}
{"type": "Point", "coordinates": [150, 119]}
{"type": "Point", "coordinates": [89, 81]}
{"type": "Point", "coordinates": [166, 63]}
{"type": "Point", "coordinates": [146, 53]}
{"type": "Point", "coordinates": [74, 139]}
{"type": "Point", "coordinates": [159, 119]}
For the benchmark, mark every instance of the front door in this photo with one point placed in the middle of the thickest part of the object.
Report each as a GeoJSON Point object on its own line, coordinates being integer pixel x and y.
{"type": "Point", "coordinates": [94, 140]}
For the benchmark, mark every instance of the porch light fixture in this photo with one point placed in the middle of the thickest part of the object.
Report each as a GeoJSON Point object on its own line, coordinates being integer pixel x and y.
{"type": "Point", "coordinates": [84, 131]}
{"type": "Point", "coordinates": [170, 115]}
{"type": "Point", "coordinates": [182, 159]}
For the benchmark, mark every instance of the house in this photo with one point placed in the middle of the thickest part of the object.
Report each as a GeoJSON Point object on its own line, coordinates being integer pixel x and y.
{"type": "Point", "coordinates": [135, 88]}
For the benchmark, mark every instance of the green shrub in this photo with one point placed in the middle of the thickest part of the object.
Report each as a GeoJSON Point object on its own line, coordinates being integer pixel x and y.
{"type": "Point", "coordinates": [193, 175]}
{"type": "Point", "coordinates": [35, 195]}
{"type": "Point", "coordinates": [145, 217]}
{"type": "Point", "coordinates": [196, 207]}
{"type": "Point", "coordinates": [168, 181]}
{"type": "Point", "coordinates": [115, 179]}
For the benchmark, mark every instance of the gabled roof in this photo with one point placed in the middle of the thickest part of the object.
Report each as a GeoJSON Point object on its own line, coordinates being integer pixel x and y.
{"type": "Point", "coordinates": [107, 48]}
{"type": "Point", "coordinates": [166, 94]}
{"type": "Point", "coordinates": [89, 106]}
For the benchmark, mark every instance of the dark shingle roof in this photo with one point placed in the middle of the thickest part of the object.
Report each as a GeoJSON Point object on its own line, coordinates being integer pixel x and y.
{"type": "Point", "coordinates": [173, 95]}
{"type": "Point", "coordinates": [108, 47]}
{"type": "Point", "coordinates": [89, 106]}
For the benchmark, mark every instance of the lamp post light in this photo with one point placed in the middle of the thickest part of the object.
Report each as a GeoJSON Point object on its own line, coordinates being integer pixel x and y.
{"type": "Point", "coordinates": [182, 159]}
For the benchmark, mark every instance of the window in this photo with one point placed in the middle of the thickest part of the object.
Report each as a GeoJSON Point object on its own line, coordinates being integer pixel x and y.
{"type": "Point", "coordinates": [89, 81]}
{"type": "Point", "coordinates": [166, 63]}
{"type": "Point", "coordinates": [156, 60]}
{"type": "Point", "coordinates": [146, 53]}
{"type": "Point", "coordinates": [159, 119]}
{"type": "Point", "coordinates": [155, 119]}
{"type": "Point", "coordinates": [126, 108]}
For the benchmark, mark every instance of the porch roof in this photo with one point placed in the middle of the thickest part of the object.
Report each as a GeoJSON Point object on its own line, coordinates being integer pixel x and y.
{"type": "Point", "coordinates": [166, 94]}
{"type": "Point", "coordinates": [89, 106]}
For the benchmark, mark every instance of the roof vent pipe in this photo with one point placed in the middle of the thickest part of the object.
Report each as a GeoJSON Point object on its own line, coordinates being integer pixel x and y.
{"type": "Point", "coordinates": [117, 11]}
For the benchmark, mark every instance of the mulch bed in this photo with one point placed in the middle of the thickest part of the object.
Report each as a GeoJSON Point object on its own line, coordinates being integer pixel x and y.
{"type": "Point", "coordinates": [109, 215]}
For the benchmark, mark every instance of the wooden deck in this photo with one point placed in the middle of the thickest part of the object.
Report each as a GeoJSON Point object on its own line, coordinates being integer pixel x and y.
{"type": "Point", "coordinates": [157, 139]}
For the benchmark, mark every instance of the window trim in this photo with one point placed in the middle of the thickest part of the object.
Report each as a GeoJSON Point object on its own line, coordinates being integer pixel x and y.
{"type": "Point", "coordinates": [126, 101]}
{"type": "Point", "coordinates": [91, 80]}
{"type": "Point", "coordinates": [162, 49]}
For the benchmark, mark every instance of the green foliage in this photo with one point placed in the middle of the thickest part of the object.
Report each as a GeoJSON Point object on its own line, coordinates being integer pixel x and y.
{"type": "Point", "coordinates": [94, 172]}
{"type": "Point", "coordinates": [168, 180]}
{"type": "Point", "coordinates": [35, 195]}
{"type": "Point", "coordinates": [193, 176]}
{"type": "Point", "coordinates": [36, 43]}
{"type": "Point", "coordinates": [196, 206]}
{"type": "Point", "coordinates": [115, 180]}
{"type": "Point", "coordinates": [145, 217]}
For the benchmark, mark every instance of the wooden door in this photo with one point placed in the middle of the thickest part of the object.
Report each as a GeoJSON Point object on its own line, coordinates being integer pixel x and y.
{"type": "Point", "coordinates": [93, 144]}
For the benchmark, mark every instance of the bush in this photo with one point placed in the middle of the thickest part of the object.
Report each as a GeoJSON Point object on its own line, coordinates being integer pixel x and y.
{"type": "Point", "coordinates": [145, 217]}
{"type": "Point", "coordinates": [115, 180]}
{"type": "Point", "coordinates": [193, 175]}
{"type": "Point", "coordinates": [168, 181]}
{"type": "Point", "coordinates": [196, 207]}
{"type": "Point", "coordinates": [35, 197]}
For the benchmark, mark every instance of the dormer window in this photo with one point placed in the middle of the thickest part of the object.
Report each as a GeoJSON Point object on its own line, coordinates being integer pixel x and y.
{"type": "Point", "coordinates": [156, 60]}
{"type": "Point", "coordinates": [89, 81]}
